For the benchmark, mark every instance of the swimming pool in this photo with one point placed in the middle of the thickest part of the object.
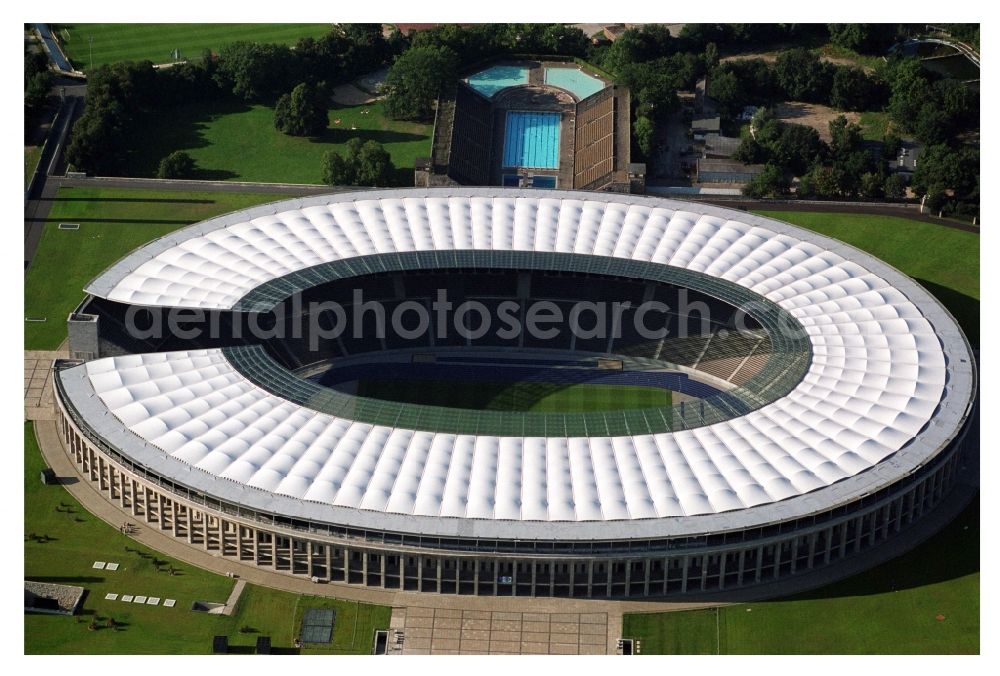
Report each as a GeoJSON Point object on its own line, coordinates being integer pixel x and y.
{"type": "Point", "coordinates": [531, 140]}
{"type": "Point", "coordinates": [488, 82]}
{"type": "Point", "coordinates": [574, 80]}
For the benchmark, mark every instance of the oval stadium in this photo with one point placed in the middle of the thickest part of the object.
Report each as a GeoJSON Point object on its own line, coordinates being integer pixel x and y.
{"type": "Point", "coordinates": [517, 392]}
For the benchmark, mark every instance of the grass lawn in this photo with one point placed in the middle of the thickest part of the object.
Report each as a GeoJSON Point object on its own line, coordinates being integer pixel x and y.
{"type": "Point", "coordinates": [513, 396]}
{"type": "Point", "coordinates": [235, 141]}
{"type": "Point", "coordinates": [156, 41]}
{"type": "Point", "coordinates": [875, 125]}
{"type": "Point", "coordinates": [944, 260]}
{"type": "Point", "coordinates": [866, 61]}
{"type": "Point", "coordinates": [75, 539]}
{"type": "Point", "coordinates": [31, 156]}
{"type": "Point", "coordinates": [353, 627]}
{"type": "Point", "coordinates": [112, 223]}
{"type": "Point", "coordinates": [890, 609]}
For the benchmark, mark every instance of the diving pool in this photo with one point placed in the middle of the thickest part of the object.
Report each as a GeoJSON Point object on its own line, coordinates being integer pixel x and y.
{"type": "Point", "coordinates": [531, 140]}
{"type": "Point", "coordinates": [488, 82]}
{"type": "Point", "coordinates": [574, 80]}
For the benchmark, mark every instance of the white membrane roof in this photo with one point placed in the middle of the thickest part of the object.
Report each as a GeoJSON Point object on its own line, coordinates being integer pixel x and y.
{"type": "Point", "coordinates": [886, 360]}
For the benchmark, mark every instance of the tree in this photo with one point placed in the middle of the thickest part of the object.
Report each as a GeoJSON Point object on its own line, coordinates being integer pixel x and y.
{"type": "Point", "coordinates": [37, 82]}
{"type": "Point", "coordinates": [894, 187]}
{"type": "Point", "coordinates": [416, 79]}
{"type": "Point", "coordinates": [560, 38]}
{"type": "Point", "coordinates": [853, 89]}
{"type": "Point", "coordinates": [711, 56]}
{"type": "Point", "coordinates": [177, 164]}
{"type": "Point", "coordinates": [255, 71]}
{"type": "Point", "coordinates": [639, 45]}
{"type": "Point", "coordinates": [944, 168]}
{"type": "Point", "coordinates": [803, 76]}
{"type": "Point", "coordinates": [644, 135]}
{"type": "Point", "coordinates": [891, 145]}
{"type": "Point", "coordinates": [727, 90]}
{"type": "Point", "coordinates": [769, 183]}
{"type": "Point", "coordinates": [845, 136]}
{"type": "Point", "coordinates": [374, 166]}
{"type": "Point", "coordinates": [365, 163]}
{"type": "Point", "coordinates": [867, 38]}
{"type": "Point", "coordinates": [796, 146]}
{"type": "Point", "coordinates": [301, 113]}
{"type": "Point", "coordinates": [872, 185]}
{"type": "Point", "coordinates": [749, 151]}
{"type": "Point", "coordinates": [818, 181]}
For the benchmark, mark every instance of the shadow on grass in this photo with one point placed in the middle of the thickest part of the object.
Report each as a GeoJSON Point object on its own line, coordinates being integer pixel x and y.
{"type": "Point", "coordinates": [69, 579]}
{"type": "Point", "coordinates": [181, 127]}
{"type": "Point", "coordinates": [339, 135]}
{"type": "Point", "coordinates": [213, 175]}
{"type": "Point", "coordinates": [950, 554]}
{"type": "Point", "coordinates": [137, 200]}
{"type": "Point", "coordinates": [150, 221]}
{"type": "Point", "coordinates": [965, 308]}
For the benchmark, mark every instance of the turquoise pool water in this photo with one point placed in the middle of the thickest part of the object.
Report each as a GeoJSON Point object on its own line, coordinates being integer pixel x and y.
{"type": "Point", "coordinates": [531, 140]}
{"type": "Point", "coordinates": [488, 82]}
{"type": "Point", "coordinates": [574, 80]}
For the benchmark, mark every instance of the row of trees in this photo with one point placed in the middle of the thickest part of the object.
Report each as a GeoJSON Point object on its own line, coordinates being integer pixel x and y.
{"type": "Point", "coordinates": [948, 176]}
{"type": "Point", "coordinates": [119, 95]}
{"type": "Point", "coordinates": [363, 163]}
{"type": "Point", "coordinates": [843, 168]}
{"type": "Point", "coordinates": [933, 109]}
{"type": "Point", "coordinates": [797, 75]}
{"type": "Point", "coordinates": [37, 82]}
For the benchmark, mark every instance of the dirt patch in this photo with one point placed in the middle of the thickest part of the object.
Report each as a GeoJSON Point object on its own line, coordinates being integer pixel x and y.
{"type": "Point", "coordinates": [811, 115]}
{"type": "Point", "coordinates": [771, 57]}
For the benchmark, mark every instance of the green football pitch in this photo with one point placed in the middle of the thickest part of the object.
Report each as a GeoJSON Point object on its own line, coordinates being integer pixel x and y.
{"type": "Point", "coordinates": [516, 396]}
{"type": "Point", "coordinates": [157, 42]}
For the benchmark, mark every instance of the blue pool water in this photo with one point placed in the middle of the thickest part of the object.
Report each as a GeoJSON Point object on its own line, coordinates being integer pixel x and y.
{"type": "Point", "coordinates": [488, 82]}
{"type": "Point", "coordinates": [574, 80]}
{"type": "Point", "coordinates": [531, 140]}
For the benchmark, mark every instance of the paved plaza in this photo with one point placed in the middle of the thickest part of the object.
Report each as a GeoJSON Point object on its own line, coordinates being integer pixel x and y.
{"type": "Point", "coordinates": [452, 631]}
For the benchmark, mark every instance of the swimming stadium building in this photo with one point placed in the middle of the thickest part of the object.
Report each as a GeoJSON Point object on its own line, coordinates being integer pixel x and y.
{"type": "Point", "coordinates": [533, 123]}
{"type": "Point", "coordinates": [820, 412]}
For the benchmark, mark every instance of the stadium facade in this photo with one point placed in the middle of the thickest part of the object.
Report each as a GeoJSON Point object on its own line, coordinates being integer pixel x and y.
{"type": "Point", "coordinates": [798, 450]}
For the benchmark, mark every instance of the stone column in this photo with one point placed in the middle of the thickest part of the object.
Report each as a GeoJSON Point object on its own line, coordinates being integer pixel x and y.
{"type": "Point", "coordinates": [684, 575]}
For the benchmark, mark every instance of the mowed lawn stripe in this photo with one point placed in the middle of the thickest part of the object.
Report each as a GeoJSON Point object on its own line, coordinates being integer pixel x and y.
{"type": "Point", "coordinates": [892, 609]}
{"type": "Point", "coordinates": [155, 42]}
{"type": "Point", "coordinates": [516, 396]}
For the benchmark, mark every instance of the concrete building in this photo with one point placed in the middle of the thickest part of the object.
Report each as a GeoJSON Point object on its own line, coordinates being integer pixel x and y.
{"type": "Point", "coordinates": [725, 171]}
{"type": "Point", "coordinates": [848, 431]}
